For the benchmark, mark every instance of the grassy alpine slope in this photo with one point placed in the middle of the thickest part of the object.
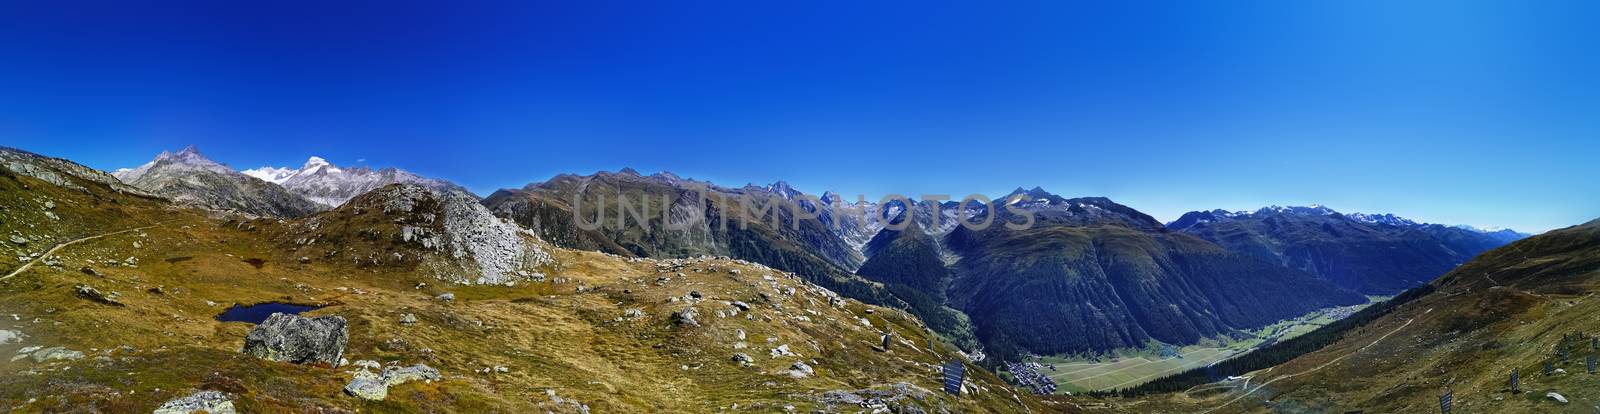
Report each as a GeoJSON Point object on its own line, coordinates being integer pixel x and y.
{"type": "Point", "coordinates": [574, 338]}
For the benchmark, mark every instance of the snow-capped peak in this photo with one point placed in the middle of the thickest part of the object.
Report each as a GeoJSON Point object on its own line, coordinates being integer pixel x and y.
{"type": "Point", "coordinates": [273, 175]}
{"type": "Point", "coordinates": [316, 162]}
{"type": "Point", "coordinates": [1386, 218]}
{"type": "Point", "coordinates": [280, 175]}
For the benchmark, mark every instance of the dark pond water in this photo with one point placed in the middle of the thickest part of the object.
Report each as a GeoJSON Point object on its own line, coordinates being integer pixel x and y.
{"type": "Point", "coordinates": [260, 311]}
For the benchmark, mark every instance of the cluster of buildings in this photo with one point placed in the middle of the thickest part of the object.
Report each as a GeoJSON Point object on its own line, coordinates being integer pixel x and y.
{"type": "Point", "coordinates": [1028, 376]}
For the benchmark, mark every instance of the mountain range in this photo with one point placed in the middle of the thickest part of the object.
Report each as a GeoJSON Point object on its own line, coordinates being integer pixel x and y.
{"type": "Point", "coordinates": [1087, 265]}
{"type": "Point", "coordinates": [1378, 254]}
{"type": "Point", "coordinates": [699, 297]}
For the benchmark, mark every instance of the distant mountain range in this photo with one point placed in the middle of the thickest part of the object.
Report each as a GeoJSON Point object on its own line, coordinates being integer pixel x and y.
{"type": "Point", "coordinates": [189, 177]}
{"type": "Point", "coordinates": [324, 183]}
{"type": "Point", "coordinates": [1378, 254]}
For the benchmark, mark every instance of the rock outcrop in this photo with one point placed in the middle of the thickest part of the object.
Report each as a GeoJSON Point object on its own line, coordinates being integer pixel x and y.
{"type": "Point", "coordinates": [446, 232]}
{"type": "Point", "coordinates": [299, 340]}
{"type": "Point", "coordinates": [212, 402]}
{"type": "Point", "coordinates": [373, 386]}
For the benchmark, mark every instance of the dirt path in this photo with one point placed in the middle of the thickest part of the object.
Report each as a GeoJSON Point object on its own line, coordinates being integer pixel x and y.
{"type": "Point", "coordinates": [1317, 368]}
{"type": "Point", "coordinates": [58, 247]}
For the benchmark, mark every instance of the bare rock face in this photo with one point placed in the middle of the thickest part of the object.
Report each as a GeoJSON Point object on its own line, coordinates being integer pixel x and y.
{"type": "Point", "coordinates": [213, 402]}
{"type": "Point", "coordinates": [299, 340]}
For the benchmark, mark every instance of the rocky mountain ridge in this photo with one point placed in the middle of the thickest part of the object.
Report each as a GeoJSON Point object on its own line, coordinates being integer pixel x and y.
{"type": "Point", "coordinates": [1380, 254]}
{"type": "Point", "coordinates": [190, 178]}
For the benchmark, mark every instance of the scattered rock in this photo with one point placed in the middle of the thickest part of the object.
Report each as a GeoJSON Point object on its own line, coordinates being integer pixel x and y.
{"type": "Point", "coordinates": [90, 293]}
{"type": "Point", "coordinates": [299, 340]}
{"type": "Point", "coordinates": [1555, 396]}
{"type": "Point", "coordinates": [686, 317]}
{"type": "Point", "coordinates": [369, 386]}
{"type": "Point", "coordinates": [9, 337]}
{"type": "Point", "coordinates": [800, 370]}
{"type": "Point", "coordinates": [212, 402]}
{"type": "Point", "coordinates": [695, 294]}
{"type": "Point", "coordinates": [393, 376]}
{"type": "Point", "coordinates": [741, 305]}
{"type": "Point", "coordinates": [743, 359]}
{"type": "Point", "coordinates": [408, 319]}
{"type": "Point", "coordinates": [56, 353]}
{"type": "Point", "coordinates": [19, 240]}
{"type": "Point", "coordinates": [782, 351]}
{"type": "Point", "coordinates": [447, 297]}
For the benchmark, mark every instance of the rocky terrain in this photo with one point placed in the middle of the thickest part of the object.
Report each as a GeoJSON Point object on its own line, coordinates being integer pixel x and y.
{"type": "Point", "coordinates": [187, 177]}
{"type": "Point", "coordinates": [114, 310]}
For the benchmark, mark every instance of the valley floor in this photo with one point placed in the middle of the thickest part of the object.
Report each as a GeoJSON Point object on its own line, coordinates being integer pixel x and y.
{"type": "Point", "coordinates": [1131, 367]}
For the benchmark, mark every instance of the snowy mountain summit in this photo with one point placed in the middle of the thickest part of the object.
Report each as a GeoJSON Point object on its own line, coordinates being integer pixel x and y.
{"type": "Point", "coordinates": [324, 183]}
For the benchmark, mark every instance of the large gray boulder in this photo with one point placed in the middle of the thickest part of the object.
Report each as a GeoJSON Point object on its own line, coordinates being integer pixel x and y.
{"type": "Point", "coordinates": [204, 401]}
{"type": "Point", "coordinates": [299, 340]}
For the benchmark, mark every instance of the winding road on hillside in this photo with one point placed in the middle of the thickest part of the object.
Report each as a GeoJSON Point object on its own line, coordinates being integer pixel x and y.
{"type": "Point", "coordinates": [1315, 369]}
{"type": "Point", "coordinates": [58, 247]}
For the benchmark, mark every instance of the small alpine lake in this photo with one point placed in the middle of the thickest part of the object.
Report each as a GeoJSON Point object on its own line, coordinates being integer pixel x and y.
{"type": "Point", "coordinates": [261, 311]}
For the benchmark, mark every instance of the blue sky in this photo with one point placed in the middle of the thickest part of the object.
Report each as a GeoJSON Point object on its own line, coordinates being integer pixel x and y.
{"type": "Point", "coordinates": [1481, 113]}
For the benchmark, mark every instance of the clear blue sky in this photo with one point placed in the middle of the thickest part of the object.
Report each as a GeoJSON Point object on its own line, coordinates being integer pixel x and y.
{"type": "Point", "coordinates": [1484, 113]}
